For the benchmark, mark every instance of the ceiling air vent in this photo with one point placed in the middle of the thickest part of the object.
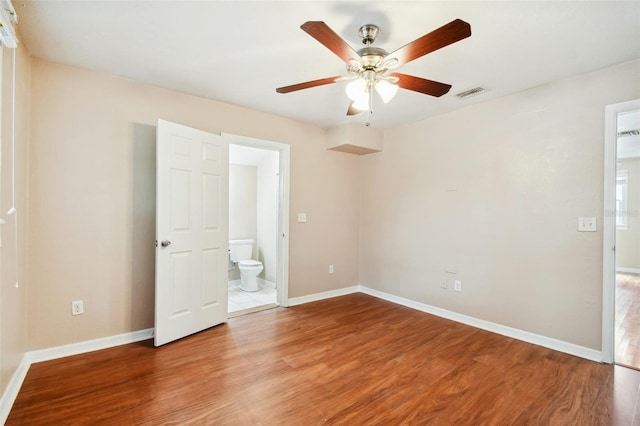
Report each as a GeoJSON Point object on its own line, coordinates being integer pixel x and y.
{"type": "Point", "coordinates": [471, 92]}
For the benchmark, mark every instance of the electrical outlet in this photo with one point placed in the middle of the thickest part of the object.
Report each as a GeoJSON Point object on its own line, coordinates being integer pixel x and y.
{"type": "Point", "coordinates": [457, 285]}
{"type": "Point", "coordinates": [77, 307]}
{"type": "Point", "coordinates": [443, 284]}
{"type": "Point", "coordinates": [331, 269]}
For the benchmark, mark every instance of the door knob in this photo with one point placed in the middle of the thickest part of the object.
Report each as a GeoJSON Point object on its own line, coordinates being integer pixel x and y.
{"type": "Point", "coordinates": [165, 243]}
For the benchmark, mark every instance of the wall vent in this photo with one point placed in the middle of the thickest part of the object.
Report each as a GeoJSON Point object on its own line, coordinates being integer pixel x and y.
{"type": "Point", "coordinates": [471, 92]}
{"type": "Point", "coordinates": [629, 133]}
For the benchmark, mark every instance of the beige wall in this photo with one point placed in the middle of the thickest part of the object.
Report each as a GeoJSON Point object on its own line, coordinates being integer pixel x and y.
{"type": "Point", "coordinates": [267, 205]}
{"type": "Point", "coordinates": [496, 189]}
{"type": "Point", "coordinates": [253, 211]}
{"type": "Point", "coordinates": [242, 208]}
{"type": "Point", "coordinates": [628, 240]}
{"type": "Point", "coordinates": [243, 185]}
{"type": "Point", "coordinates": [91, 219]}
{"type": "Point", "coordinates": [13, 263]}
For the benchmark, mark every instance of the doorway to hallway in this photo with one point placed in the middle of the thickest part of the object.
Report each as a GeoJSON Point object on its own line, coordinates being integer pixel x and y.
{"type": "Point", "coordinates": [621, 239]}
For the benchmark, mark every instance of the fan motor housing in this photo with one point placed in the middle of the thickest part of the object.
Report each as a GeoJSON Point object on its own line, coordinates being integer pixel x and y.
{"type": "Point", "coordinates": [371, 56]}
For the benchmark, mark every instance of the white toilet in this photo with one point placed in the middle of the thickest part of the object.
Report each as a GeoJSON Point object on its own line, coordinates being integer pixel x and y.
{"type": "Point", "coordinates": [241, 251]}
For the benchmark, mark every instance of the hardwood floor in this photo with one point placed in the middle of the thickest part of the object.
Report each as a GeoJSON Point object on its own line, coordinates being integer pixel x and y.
{"type": "Point", "coordinates": [627, 321]}
{"type": "Point", "coordinates": [349, 360]}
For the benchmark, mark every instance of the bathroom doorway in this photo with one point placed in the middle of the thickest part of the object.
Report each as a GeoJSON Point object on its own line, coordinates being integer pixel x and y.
{"type": "Point", "coordinates": [258, 206]}
{"type": "Point", "coordinates": [621, 334]}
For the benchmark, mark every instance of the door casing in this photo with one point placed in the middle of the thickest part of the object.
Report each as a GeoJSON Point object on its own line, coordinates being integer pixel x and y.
{"type": "Point", "coordinates": [282, 248]}
{"type": "Point", "coordinates": [609, 225]}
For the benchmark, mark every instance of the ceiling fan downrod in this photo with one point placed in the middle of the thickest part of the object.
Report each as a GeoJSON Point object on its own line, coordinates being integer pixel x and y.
{"type": "Point", "coordinates": [368, 33]}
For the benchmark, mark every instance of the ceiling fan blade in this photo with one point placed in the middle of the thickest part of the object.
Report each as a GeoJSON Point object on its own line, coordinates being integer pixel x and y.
{"type": "Point", "coordinates": [353, 111]}
{"type": "Point", "coordinates": [452, 32]}
{"type": "Point", "coordinates": [308, 84]}
{"type": "Point", "coordinates": [332, 41]}
{"type": "Point", "coordinates": [421, 85]}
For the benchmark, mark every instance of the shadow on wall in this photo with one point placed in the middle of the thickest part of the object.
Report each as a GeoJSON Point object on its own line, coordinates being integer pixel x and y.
{"type": "Point", "coordinates": [143, 224]}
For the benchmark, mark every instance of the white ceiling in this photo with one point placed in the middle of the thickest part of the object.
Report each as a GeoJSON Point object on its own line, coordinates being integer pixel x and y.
{"type": "Point", "coordinates": [239, 51]}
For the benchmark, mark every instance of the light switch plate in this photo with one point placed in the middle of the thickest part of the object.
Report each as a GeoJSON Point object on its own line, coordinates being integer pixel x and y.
{"type": "Point", "coordinates": [302, 217]}
{"type": "Point", "coordinates": [587, 224]}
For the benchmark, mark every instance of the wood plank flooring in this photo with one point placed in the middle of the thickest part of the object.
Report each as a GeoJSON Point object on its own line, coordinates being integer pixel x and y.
{"type": "Point", "coordinates": [351, 360]}
{"type": "Point", "coordinates": [627, 321]}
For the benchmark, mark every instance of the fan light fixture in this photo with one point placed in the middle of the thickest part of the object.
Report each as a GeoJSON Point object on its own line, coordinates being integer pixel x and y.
{"type": "Point", "coordinates": [360, 89]}
{"type": "Point", "coordinates": [369, 68]}
{"type": "Point", "coordinates": [369, 73]}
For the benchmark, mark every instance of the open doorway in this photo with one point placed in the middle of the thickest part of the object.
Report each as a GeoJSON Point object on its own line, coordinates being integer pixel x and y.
{"type": "Point", "coordinates": [258, 190]}
{"type": "Point", "coordinates": [622, 233]}
{"type": "Point", "coordinates": [627, 254]}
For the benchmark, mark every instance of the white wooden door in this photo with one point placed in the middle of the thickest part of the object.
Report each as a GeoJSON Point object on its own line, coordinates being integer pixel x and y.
{"type": "Point", "coordinates": [191, 230]}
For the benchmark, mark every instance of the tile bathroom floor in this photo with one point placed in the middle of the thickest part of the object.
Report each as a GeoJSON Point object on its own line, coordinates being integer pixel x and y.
{"type": "Point", "coordinates": [240, 300]}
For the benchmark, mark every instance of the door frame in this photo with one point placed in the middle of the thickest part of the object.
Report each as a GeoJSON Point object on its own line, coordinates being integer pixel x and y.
{"type": "Point", "coordinates": [282, 249]}
{"type": "Point", "coordinates": [609, 225]}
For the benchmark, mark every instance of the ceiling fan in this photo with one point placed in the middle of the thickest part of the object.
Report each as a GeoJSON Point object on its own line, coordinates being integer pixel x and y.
{"type": "Point", "coordinates": [369, 67]}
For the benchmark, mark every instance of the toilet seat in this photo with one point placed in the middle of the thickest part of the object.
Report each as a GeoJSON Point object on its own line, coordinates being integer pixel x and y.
{"type": "Point", "coordinates": [249, 263]}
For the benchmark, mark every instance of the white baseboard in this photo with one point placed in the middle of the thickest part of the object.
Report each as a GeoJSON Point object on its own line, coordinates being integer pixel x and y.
{"type": "Point", "coordinates": [628, 270]}
{"type": "Point", "coordinates": [261, 281]}
{"type": "Point", "coordinates": [525, 336]}
{"type": "Point", "coordinates": [19, 375]}
{"type": "Point", "coordinates": [13, 387]}
{"type": "Point", "coordinates": [89, 346]}
{"type": "Point", "coordinates": [266, 283]}
{"type": "Point", "coordinates": [324, 295]}
{"type": "Point", "coordinates": [10, 394]}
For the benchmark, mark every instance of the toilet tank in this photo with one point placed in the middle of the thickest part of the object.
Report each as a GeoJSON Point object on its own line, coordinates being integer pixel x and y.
{"type": "Point", "coordinates": [240, 250]}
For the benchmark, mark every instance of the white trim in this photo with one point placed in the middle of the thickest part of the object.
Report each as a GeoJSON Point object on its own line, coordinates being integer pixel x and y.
{"type": "Point", "coordinates": [266, 283]}
{"type": "Point", "coordinates": [13, 387]}
{"type": "Point", "coordinates": [324, 295]}
{"type": "Point", "coordinates": [609, 225]}
{"type": "Point", "coordinates": [261, 281]}
{"type": "Point", "coordinates": [10, 394]}
{"type": "Point", "coordinates": [282, 277]}
{"type": "Point", "coordinates": [525, 336]}
{"type": "Point", "coordinates": [89, 346]}
{"type": "Point", "coordinates": [628, 270]}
